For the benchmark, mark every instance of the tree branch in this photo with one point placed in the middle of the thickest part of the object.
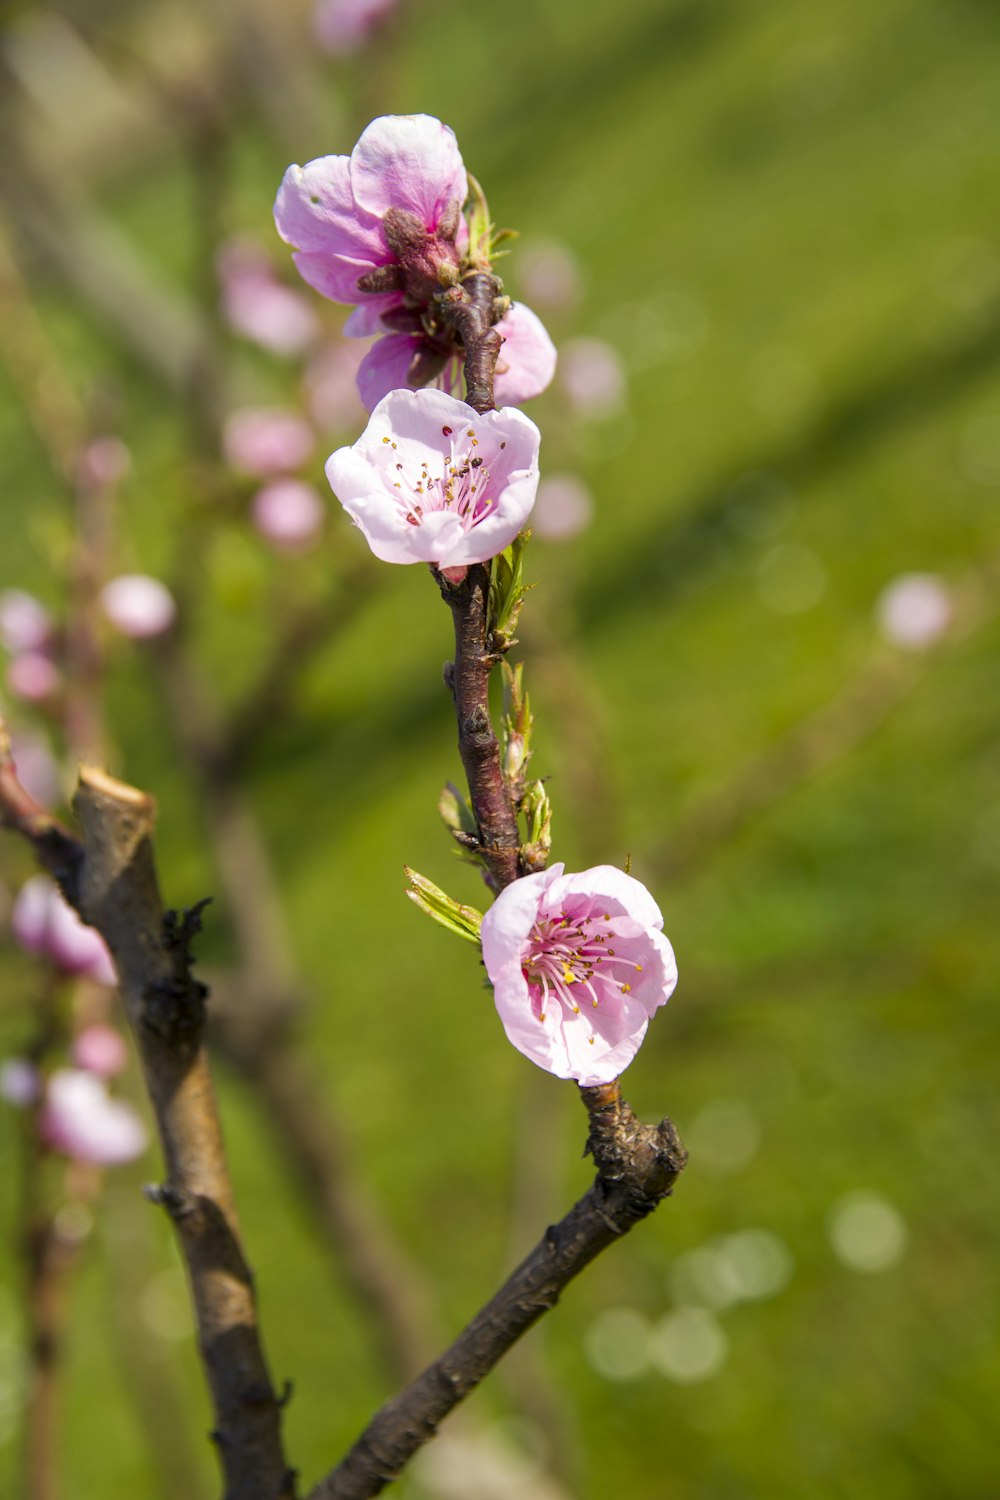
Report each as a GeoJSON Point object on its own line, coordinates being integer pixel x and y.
{"type": "Point", "coordinates": [110, 877]}
{"type": "Point", "coordinates": [637, 1166]}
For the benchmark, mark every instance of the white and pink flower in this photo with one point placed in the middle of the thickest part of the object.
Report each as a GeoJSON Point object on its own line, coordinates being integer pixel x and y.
{"type": "Point", "coordinates": [288, 513]}
{"type": "Point", "coordinates": [579, 964]}
{"type": "Point", "coordinates": [430, 480]}
{"type": "Point", "coordinates": [265, 440]}
{"type": "Point", "coordinates": [915, 610]}
{"type": "Point", "coordinates": [43, 923]}
{"type": "Point", "coordinates": [80, 1119]}
{"type": "Point", "coordinates": [138, 606]}
{"type": "Point", "coordinates": [259, 306]}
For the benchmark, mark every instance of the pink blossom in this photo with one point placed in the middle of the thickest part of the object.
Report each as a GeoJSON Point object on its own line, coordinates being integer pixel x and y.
{"type": "Point", "coordinates": [138, 606]}
{"type": "Point", "coordinates": [564, 507]}
{"type": "Point", "coordinates": [256, 304]}
{"type": "Point", "coordinates": [526, 365]}
{"type": "Point", "coordinates": [593, 377]}
{"type": "Point", "coordinates": [81, 1120]}
{"type": "Point", "coordinates": [100, 1049]}
{"type": "Point", "coordinates": [25, 624]}
{"type": "Point", "coordinates": [430, 480]}
{"type": "Point", "coordinates": [344, 26]}
{"type": "Point", "coordinates": [915, 610]}
{"type": "Point", "coordinates": [333, 212]}
{"type": "Point", "coordinates": [579, 963]}
{"type": "Point", "coordinates": [104, 462]}
{"type": "Point", "coordinates": [288, 513]}
{"type": "Point", "coordinates": [33, 676]}
{"type": "Point", "coordinates": [43, 923]}
{"type": "Point", "coordinates": [20, 1083]}
{"type": "Point", "coordinates": [267, 440]}
{"type": "Point", "coordinates": [36, 769]}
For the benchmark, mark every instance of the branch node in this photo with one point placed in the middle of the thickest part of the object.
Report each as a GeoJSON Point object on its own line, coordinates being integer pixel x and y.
{"type": "Point", "coordinates": [174, 1006]}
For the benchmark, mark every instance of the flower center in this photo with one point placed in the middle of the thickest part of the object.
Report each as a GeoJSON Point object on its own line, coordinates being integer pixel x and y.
{"type": "Point", "coordinates": [571, 960]}
{"type": "Point", "coordinates": [461, 487]}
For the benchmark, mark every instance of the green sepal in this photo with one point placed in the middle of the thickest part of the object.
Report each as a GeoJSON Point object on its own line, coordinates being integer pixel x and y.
{"type": "Point", "coordinates": [516, 727]}
{"type": "Point", "coordinates": [507, 591]}
{"type": "Point", "coordinates": [464, 921]}
{"type": "Point", "coordinates": [456, 810]}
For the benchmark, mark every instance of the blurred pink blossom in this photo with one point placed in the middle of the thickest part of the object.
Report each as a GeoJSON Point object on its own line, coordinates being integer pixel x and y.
{"type": "Point", "coordinates": [20, 1083]}
{"type": "Point", "coordinates": [138, 606]}
{"type": "Point", "coordinates": [43, 923]}
{"type": "Point", "coordinates": [564, 506]}
{"type": "Point", "coordinates": [25, 624]}
{"type": "Point", "coordinates": [33, 676]}
{"type": "Point", "coordinates": [915, 610]}
{"type": "Point", "coordinates": [100, 1049]}
{"type": "Point", "coordinates": [104, 462]}
{"type": "Point", "coordinates": [430, 480]}
{"type": "Point", "coordinates": [288, 513]}
{"type": "Point", "coordinates": [259, 306]}
{"type": "Point", "coordinates": [266, 440]}
{"type": "Point", "coordinates": [593, 377]}
{"type": "Point", "coordinates": [344, 26]}
{"type": "Point", "coordinates": [579, 964]}
{"type": "Point", "coordinates": [80, 1119]}
{"type": "Point", "coordinates": [550, 275]}
{"type": "Point", "coordinates": [36, 768]}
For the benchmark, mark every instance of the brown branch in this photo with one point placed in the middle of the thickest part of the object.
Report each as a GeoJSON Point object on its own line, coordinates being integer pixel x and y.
{"type": "Point", "coordinates": [499, 836]}
{"type": "Point", "coordinates": [637, 1166]}
{"type": "Point", "coordinates": [110, 877]}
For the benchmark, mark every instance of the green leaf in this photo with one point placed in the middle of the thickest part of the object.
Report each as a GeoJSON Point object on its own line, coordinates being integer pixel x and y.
{"type": "Point", "coordinates": [463, 921]}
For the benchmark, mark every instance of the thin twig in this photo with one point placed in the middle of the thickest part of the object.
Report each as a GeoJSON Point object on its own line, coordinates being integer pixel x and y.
{"type": "Point", "coordinates": [636, 1168]}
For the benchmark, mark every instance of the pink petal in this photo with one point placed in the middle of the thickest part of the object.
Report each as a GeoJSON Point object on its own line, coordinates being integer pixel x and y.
{"type": "Point", "coordinates": [100, 1049]}
{"type": "Point", "coordinates": [43, 923]}
{"type": "Point", "coordinates": [384, 367]}
{"type": "Point", "coordinates": [81, 1120]}
{"type": "Point", "coordinates": [563, 508]}
{"type": "Point", "coordinates": [527, 360]}
{"type": "Point", "coordinates": [267, 440]}
{"type": "Point", "coordinates": [25, 624]}
{"type": "Point", "coordinates": [33, 677]}
{"type": "Point", "coordinates": [138, 606]}
{"type": "Point", "coordinates": [316, 211]}
{"type": "Point", "coordinates": [344, 26]}
{"type": "Point", "coordinates": [289, 513]}
{"type": "Point", "coordinates": [410, 162]}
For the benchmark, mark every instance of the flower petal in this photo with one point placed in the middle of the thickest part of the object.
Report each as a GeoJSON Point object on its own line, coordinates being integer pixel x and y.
{"type": "Point", "coordinates": [315, 210]}
{"type": "Point", "coordinates": [527, 360]}
{"type": "Point", "coordinates": [410, 162]}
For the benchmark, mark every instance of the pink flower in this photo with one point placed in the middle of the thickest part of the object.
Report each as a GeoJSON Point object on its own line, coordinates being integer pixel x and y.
{"type": "Point", "coordinates": [579, 964]}
{"type": "Point", "coordinates": [430, 480]}
{"type": "Point", "coordinates": [267, 440]}
{"type": "Point", "coordinates": [333, 211]}
{"type": "Point", "coordinates": [100, 1049]}
{"type": "Point", "coordinates": [43, 923]}
{"type": "Point", "coordinates": [344, 26]}
{"type": "Point", "coordinates": [550, 274]}
{"type": "Point", "coordinates": [36, 769]}
{"type": "Point", "coordinates": [33, 676]}
{"type": "Point", "coordinates": [81, 1120]}
{"type": "Point", "coordinates": [914, 611]}
{"type": "Point", "coordinates": [383, 230]}
{"type": "Point", "coordinates": [256, 304]}
{"type": "Point", "coordinates": [288, 513]}
{"type": "Point", "coordinates": [25, 624]}
{"type": "Point", "coordinates": [104, 462]}
{"type": "Point", "coordinates": [138, 605]}
{"type": "Point", "coordinates": [526, 365]}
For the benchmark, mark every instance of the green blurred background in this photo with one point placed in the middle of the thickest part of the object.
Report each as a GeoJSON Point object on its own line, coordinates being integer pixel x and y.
{"type": "Point", "coordinates": [785, 219]}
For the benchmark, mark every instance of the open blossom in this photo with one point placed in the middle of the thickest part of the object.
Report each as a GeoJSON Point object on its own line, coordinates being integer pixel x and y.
{"type": "Point", "coordinates": [80, 1119]}
{"type": "Point", "coordinates": [578, 963]}
{"type": "Point", "coordinates": [430, 480]}
{"type": "Point", "coordinates": [138, 606]}
{"type": "Point", "coordinates": [383, 230]}
{"type": "Point", "coordinates": [43, 923]}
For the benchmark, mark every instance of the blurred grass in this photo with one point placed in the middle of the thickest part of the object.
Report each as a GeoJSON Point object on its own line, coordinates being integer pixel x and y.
{"type": "Point", "coordinates": [786, 217]}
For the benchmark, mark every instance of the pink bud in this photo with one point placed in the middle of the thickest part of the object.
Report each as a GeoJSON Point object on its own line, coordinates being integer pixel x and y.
{"type": "Point", "coordinates": [104, 462]}
{"type": "Point", "coordinates": [43, 923]}
{"type": "Point", "coordinates": [592, 376]}
{"type": "Point", "coordinates": [25, 624]}
{"type": "Point", "coordinates": [20, 1084]}
{"type": "Point", "coordinates": [288, 513]}
{"type": "Point", "coordinates": [81, 1120]}
{"type": "Point", "coordinates": [564, 506]}
{"type": "Point", "coordinates": [33, 677]}
{"type": "Point", "coordinates": [138, 606]}
{"type": "Point", "coordinates": [914, 611]}
{"type": "Point", "coordinates": [344, 26]}
{"type": "Point", "coordinates": [36, 770]}
{"type": "Point", "coordinates": [100, 1049]}
{"type": "Point", "coordinates": [267, 440]}
{"type": "Point", "coordinates": [257, 305]}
